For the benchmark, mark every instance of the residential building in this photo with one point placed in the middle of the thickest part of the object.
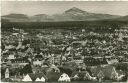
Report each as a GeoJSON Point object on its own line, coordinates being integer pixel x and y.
{"type": "Point", "coordinates": [64, 78]}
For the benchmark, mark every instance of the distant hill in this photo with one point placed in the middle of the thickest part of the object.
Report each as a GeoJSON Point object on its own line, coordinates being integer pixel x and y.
{"type": "Point", "coordinates": [124, 18]}
{"type": "Point", "coordinates": [76, 14]}
{"type": "Point", "coordinates": [72, 14]}
{"type": "Point", "coordinates": [16, 18]}
{"type": "Point", "coordinates": [40, 18]}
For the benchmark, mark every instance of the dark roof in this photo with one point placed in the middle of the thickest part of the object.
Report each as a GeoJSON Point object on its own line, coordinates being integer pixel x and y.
{"type": "Point", "coordinates": [19, 59]}
{"type": "Point", "coordinates": [38, 56]}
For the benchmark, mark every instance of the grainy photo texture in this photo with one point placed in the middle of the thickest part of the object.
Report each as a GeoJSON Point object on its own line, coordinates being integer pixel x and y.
{"type": "Point", "coordinates": [62, 41]}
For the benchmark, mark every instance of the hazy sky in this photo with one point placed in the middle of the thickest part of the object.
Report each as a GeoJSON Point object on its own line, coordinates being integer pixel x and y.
{"type": "Point", "coordinates": [43, 7]}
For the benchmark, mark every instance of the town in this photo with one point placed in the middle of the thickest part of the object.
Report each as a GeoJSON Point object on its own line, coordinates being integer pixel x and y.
{"type": "Point", "coordinates": [64, 55]}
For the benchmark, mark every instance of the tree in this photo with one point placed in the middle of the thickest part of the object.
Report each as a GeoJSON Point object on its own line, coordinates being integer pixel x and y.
{"type": "Point", "coordinates": [27, 69]}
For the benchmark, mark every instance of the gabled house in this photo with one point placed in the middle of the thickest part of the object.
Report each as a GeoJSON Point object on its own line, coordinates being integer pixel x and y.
{"type": "Point", "coordinates": [38, 79]}
{"type": "Point", "coordinates": [89, 77]}
{"type": "Point", "coordinates": [19, 62]}
{"type": "Point", "coordinates": [43, 79]}
{"type": "Point", "coordinates": [100, 75]}
{"type": "Point", "coordinates": [37, 62]}
{"type": "Point", "coordinates": [41, 76]}
{"type": "Point", "coordinates": [76, 76]}
{"type": "Point", "coordinates": [26, 78]}
{"type": "Point", "coordinates": [64, 78]}
{"type": "Point", "coordinates": [35, 77]}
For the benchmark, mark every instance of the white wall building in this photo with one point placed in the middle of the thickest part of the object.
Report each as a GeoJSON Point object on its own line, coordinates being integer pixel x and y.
{"type": "Point", "coordinates": [27, 78]}
{"type": "Point", "coordinates": [37, 62]}
{"type": "Point", "coordinates": [11, 56]}
{"type": "Point", "coordinates": [42, 79]}
{"type": "Point", "coordinates": [38, 79]}
{"type": "Point", "coordinates": [64, 77]}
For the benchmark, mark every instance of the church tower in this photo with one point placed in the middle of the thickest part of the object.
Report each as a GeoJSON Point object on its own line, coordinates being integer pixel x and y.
{"type": "Point", "coordinates": [7, 73]}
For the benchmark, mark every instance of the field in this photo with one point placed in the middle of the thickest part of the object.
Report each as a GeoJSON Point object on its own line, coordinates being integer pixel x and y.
{"type": "Point", "coordinates": [65, 25]}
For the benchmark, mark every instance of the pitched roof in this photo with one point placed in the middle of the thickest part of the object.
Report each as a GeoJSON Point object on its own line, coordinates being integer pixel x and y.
{"type": "Point", "coordinates": [64, 77]}
{"type": "Point", "coordinates": [75, 73]}
{"type": "Point", "coordinates": [27, 78]}
{"type": "Point", "coordinates": [40, 75]}
{"type": "Point", "coordinates": [80, 74]}
{"type": "Point", "coordinates": [37, 75]}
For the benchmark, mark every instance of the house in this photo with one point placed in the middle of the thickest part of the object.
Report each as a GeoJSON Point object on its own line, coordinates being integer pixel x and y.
{"type": "Point", "coordinates": [100, 75]}
{"type": "Point", "coordinates": [114, 74]}
{"type": "Point", "coordinates": [38, 79]}
{"type": "Point", "coordinates": [26, 78]}
{"type": "Point", "coordinates": [11, 56]}
{"type": "Point", "coordinates": [41, 76]}
{"type": "Point", "coordinates": [78, 60]}
{"type": "Point", "coordinates": [107, 72]}
{"type": "Point", "coordinates": [83, 30]}
{"type": "Point", "coordinates": [7, 47]}
{"type": "Point", "coordinates": [37, 62]}
{"type": "Point", "coordinates": [64, 78]}
{"type": "Point", "coordinates": [35, 77]}
{"type": "Point", "coordinates": [120, 37]}
{"type": "Point", "coordinates": [9, 62]}
{"type": "Point", "coordinates": [42, 79]}
{"type": "Point", "coordinates": [56, 59]}
{"type": "Point", "coordinates": [112, 61]}
{"type": "Point", "coordinates": [75, 75]}
{"type": "Point", "coordinates": [19, 62]}
{"type": "Point", "coordinates": [89, 77]}
{"type": "Point", "coordinates": [29, 50]}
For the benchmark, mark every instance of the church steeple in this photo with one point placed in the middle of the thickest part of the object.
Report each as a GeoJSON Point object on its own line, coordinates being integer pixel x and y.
{"type": "Point", "coordinates": [7, 73]}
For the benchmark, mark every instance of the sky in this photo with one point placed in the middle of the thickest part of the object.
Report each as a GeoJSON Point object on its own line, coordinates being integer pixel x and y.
{"type": "Point", "coordinates": [57, 7]}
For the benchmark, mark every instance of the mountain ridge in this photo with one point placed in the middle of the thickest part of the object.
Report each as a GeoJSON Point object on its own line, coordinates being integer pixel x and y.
{"type": "Point", "coordinates": [72, 14]}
